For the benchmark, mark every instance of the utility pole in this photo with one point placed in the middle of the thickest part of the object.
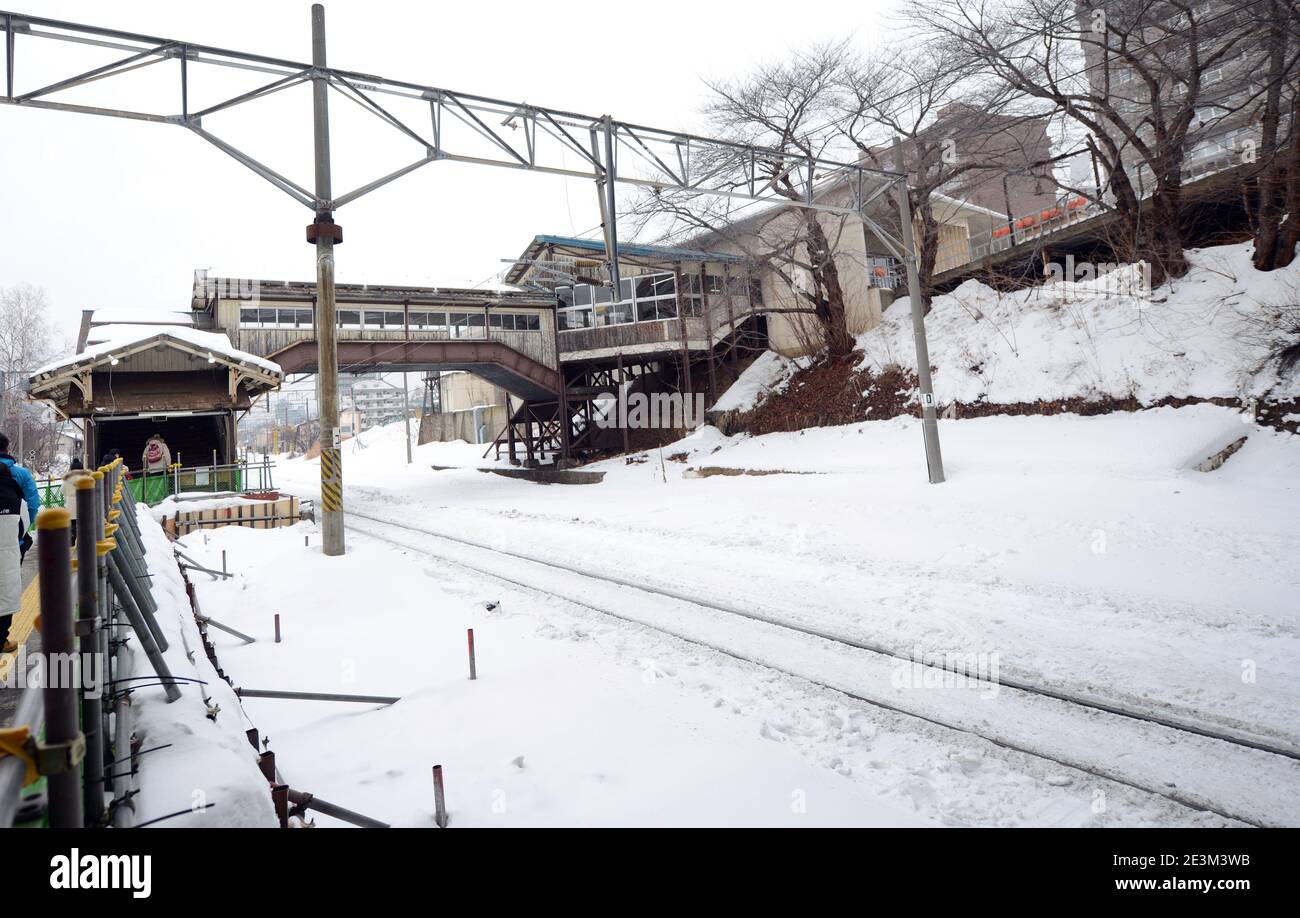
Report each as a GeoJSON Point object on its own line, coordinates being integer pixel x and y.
{"type": "Point", "coordinates": [406, 415]}
{"type": "Point", "coordinates": [324, 232]}
{"type": "Point", "coordinates": [929, 421]}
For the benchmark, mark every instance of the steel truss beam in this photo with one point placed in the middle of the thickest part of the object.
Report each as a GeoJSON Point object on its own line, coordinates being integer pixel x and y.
{"type": "Point", "coordinates": [463, 128]}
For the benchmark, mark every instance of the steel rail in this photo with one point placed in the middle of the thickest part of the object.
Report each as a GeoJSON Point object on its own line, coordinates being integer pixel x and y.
{"type": "Point", "coordinates": [1114, 710]}
{"type": "Point", "coordinates": [880, 649]}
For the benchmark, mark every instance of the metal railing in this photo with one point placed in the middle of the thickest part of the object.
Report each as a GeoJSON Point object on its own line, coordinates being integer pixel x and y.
{"type": "Point", "coordinates": [72, 759]}
{"type": "Point", "coordinates": [242, 477]}
{"type": "Point", "coordinates": [77, 764]}
{"type": "Point", "coordinates": [1217, 154]}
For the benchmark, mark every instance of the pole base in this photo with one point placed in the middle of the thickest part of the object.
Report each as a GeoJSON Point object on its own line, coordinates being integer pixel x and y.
{"type": "Point", "coordinates": [332, 532]}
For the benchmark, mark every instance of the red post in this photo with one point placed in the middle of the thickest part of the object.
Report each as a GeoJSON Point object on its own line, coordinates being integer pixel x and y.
{"type": "Point", "coordinates": [473, 671]}
{"type": "Point", "coordinates": [280, 799]}
{"type": "Point", "coordinates": [439, 799]}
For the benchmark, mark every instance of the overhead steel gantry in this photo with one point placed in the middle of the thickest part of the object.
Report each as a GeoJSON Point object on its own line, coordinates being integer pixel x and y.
{"type": "Point", "coordinates": [459, 127]}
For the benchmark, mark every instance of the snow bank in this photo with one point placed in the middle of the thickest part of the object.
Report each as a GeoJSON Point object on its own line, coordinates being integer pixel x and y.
{"type": "Point", "coordinates": [1197, 336]}
{"type": "Point", "coordinates": [1152, 443]}
{"type": "Point", "coordinates": [207, 761]}
{"type": "Point", "coordinates": [768, 373]}
{"type": "Point", "coordinates": [380, 453]}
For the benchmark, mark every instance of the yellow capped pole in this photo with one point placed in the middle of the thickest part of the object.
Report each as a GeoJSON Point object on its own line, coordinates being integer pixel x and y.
{"type": "Point", "coordinates": [60, 755]}
{"type": "Point", "coordinates": [92, 705]}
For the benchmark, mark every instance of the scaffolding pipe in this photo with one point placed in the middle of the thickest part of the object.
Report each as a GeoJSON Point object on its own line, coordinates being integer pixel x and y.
{"type": "Point", "coordinates": [226, 628]}
{"type": "Point", "coordinates": [316, 696]}
{"type": "Point", "coordinates": [143, 632]}
{"type": "Point", "coordinates": [308, 801]}
{"type": "Point", "coordinates": [123, 806]}
{"type": "Point", "coordinates": [137, 594]}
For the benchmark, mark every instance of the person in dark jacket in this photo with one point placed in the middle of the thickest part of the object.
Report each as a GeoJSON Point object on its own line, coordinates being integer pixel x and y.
{"type": "Point", "coordinates": [28, 486]}
{"type": "Point", "coordinates": [12, 495]}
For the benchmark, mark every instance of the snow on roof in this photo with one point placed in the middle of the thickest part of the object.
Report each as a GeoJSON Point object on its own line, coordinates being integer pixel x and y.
{"type": "Point", "coordinates": [111, 338]}
{"type": "Point", "coordinates": [959, 204]}
{"type": "Point", "coordinates": [119, 316]}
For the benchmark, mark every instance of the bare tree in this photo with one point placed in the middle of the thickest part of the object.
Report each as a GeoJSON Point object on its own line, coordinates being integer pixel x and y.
{"type": "Point", "coordinates": [1278, 188]}
{"type": "Point", "coordinates": [784, 106]}
{"type": "Point", "coordinates": [26, 342]}
{"type": "Point", "coordinates": [958, 129]}
{"type": "Point", "coordinates": [1132, 75]}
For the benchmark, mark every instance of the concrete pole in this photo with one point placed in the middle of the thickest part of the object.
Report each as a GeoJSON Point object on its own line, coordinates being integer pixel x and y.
{"type": "Point", "coordinates": [324, 233]}
{"type": "Point", "coordinates": [929, 421]}
{"type": "Point", "coordinates": [406, 415]}
{"type": "Point", "coordinates": [609, 201]}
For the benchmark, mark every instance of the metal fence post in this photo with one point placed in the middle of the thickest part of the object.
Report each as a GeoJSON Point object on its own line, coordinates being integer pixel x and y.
{"type": "Point", "coordinates": [64, 745]}
{"type": "Point", "coordinates": [89, 626]}
{"type": "Point", "coordinates": [105, 602]}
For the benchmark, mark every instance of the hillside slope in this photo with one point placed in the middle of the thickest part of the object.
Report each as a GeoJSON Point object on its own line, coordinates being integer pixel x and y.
{"type": "Point", "coordinates": [1225, 332]}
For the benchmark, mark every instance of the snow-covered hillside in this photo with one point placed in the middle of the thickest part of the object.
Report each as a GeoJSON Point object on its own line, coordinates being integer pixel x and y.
{"type": "Point", "coordinates": [1202, 336]}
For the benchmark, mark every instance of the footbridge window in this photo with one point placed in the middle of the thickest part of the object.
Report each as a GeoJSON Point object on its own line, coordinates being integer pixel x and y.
{"type": "Point", "coordinates": [428, 321]}
{"type": "Point", "coordinates": [275, 318]}
{"type": "Point", "coordinates": [650, 298]}
{"type": "Point", "coordinates": [468, 324]}
{"type": "Point", "coordinates": [458, 324]}
{"type": "Point", "coordinates": [510, 321]}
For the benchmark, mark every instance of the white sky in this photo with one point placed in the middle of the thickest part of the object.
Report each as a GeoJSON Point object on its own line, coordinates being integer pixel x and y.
{"type": "Point", "coordinates": [106, 212]}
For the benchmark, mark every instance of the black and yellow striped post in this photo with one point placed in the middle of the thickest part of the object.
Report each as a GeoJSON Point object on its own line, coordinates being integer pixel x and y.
{"type": "Point", "coordinates": [331, 498]}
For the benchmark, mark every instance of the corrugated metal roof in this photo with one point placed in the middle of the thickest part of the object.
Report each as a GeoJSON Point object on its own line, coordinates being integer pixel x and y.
{"type": "Point", "coordinates": [644, 251]}
{"type": "Point", "coordinates": [668, 254]}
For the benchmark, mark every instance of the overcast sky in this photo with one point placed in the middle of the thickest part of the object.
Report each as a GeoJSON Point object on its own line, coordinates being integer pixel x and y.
{"type": "Point", "coordinates": [106, 212]}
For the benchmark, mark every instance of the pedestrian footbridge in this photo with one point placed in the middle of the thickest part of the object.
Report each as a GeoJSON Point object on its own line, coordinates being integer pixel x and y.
{"type": "Point", "coordinates": [507, 337]}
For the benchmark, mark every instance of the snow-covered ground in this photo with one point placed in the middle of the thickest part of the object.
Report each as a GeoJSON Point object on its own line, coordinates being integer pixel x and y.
{"type": "Point", "coordinates": [200, 769]}
{"type": "Point", "coordinates": [1086, 553]}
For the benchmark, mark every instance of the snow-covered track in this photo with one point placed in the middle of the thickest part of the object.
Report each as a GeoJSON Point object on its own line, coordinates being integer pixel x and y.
{"type": "Point", "coordinates": [1233, 776]}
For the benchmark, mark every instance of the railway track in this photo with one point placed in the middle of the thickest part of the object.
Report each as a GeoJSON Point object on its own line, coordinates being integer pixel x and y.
{"type": "Point", "coordinates": [1234, 776]}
